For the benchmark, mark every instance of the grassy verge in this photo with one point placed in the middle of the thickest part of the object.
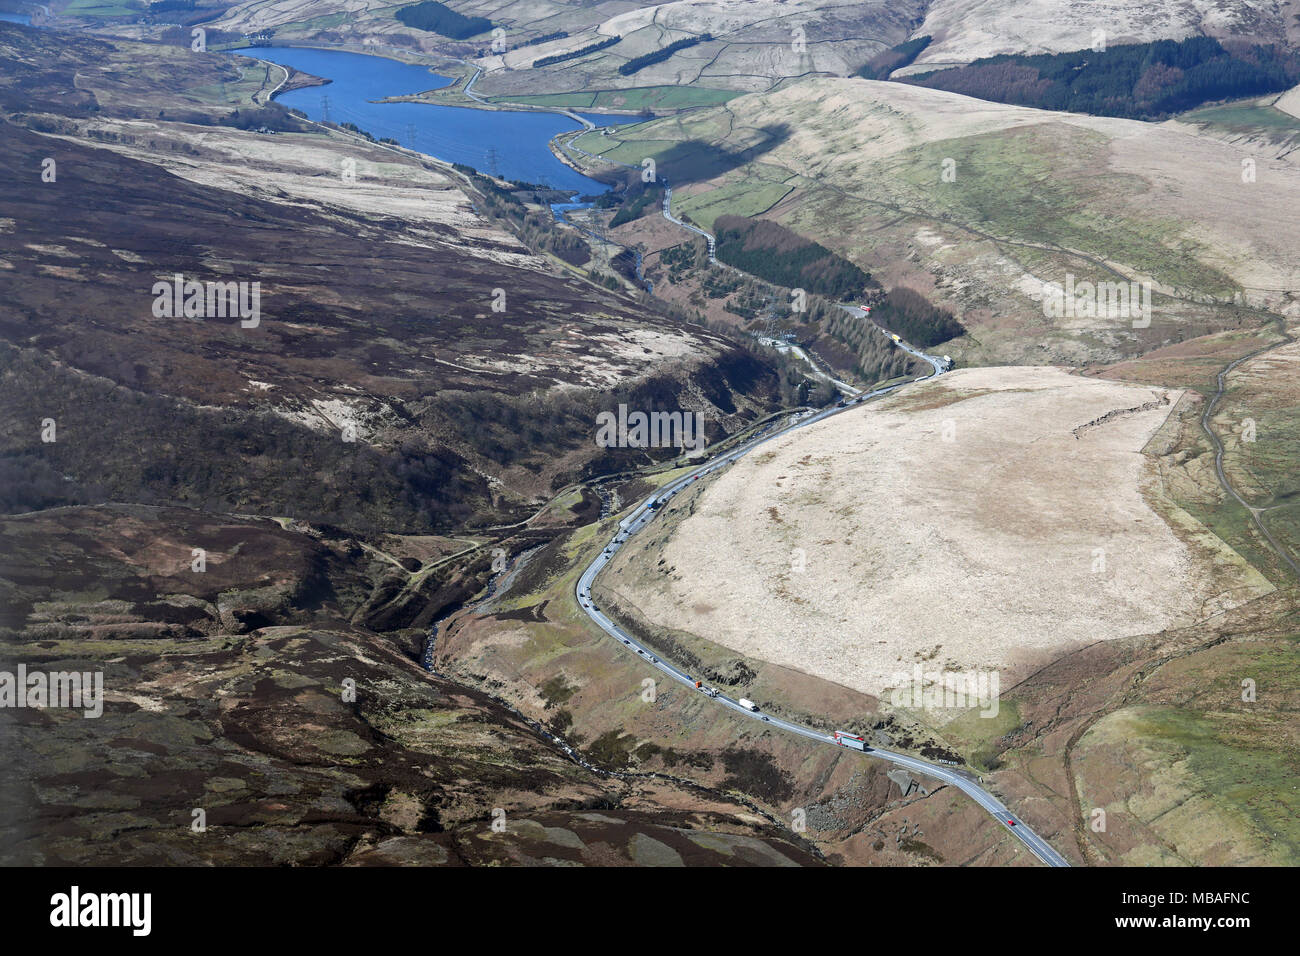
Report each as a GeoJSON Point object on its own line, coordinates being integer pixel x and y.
{"type": "Point", "coordinates": [976, 736]}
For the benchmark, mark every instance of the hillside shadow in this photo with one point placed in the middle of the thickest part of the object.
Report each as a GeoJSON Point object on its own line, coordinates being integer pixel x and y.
{"type": "Point", "coordinates": [694, 160]}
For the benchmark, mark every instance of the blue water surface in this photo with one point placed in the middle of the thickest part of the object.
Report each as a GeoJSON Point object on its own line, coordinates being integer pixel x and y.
{"type": "Point", "coordinates": [509, 143]}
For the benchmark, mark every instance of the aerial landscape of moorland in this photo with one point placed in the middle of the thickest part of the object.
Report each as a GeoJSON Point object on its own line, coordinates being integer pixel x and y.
{"type": "Point", "coordinates": [735, 433]}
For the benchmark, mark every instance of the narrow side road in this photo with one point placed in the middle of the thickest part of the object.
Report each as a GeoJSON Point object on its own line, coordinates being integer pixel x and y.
{"type": "Point", "coordinates": [469, 91]}
{"type": "Point", "coordinates": [1256, 514]}
{"type": "Point", "coordinates": [668, 214]}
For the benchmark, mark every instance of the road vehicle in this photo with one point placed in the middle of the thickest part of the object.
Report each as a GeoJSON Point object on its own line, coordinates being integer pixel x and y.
{"type": "Point", "coordinates": [845, 739]}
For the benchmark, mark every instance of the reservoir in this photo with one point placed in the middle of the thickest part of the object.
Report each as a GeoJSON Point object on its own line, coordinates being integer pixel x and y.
{"type": "Point", "coordinates": [512, 144]}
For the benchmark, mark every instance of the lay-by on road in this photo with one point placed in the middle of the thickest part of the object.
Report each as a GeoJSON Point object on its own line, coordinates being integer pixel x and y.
{"type": "Point", "coordinates": [652, 506]}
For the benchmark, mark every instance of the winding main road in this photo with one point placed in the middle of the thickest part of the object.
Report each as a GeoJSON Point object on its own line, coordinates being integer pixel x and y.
{"type": "Point", "coordinates": [646, 512]}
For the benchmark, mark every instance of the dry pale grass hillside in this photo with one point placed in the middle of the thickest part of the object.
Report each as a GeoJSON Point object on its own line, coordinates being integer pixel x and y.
{"type": "Point", "coordinates": [961, 525]}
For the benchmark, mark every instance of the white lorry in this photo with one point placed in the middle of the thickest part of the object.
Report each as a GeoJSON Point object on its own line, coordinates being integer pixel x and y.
{"type": "Point", "coordinates": [747, 703]}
